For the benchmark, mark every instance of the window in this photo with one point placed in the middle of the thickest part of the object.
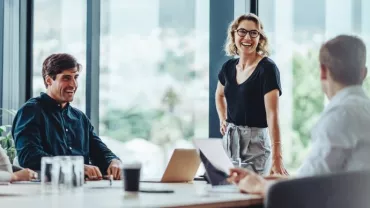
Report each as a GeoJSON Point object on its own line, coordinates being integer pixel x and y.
{"type": "Point", "coordinates": [1, 54]}
{"type": "Point", "coordinates": [153, 78]}
{"type": "Point", "coordinates": [296, 29]}
{"type": "Point", "coordinates": [59, 27]}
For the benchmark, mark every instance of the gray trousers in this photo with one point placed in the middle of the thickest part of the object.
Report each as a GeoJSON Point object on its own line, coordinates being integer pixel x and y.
{"type": "Point", "coordinates": [250, 144]}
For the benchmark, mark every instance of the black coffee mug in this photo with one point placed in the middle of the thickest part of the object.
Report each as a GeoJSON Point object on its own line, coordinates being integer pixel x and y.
{"type": "Point", "coordinates": [131, 177]}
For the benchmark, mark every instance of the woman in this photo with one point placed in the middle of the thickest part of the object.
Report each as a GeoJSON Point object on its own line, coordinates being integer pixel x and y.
{"type": "Point", "coordinates": [6, 173]}
{"type": "Point", "coordinates": [251, 86]}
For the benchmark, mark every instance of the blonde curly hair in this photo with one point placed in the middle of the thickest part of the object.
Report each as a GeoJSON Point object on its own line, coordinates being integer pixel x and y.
{"type": "Point", "coordinates": [230, 47]}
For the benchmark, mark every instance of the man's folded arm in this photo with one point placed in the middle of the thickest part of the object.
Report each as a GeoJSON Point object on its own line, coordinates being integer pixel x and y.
{"type": "Point", "coordinates": [27, 137]}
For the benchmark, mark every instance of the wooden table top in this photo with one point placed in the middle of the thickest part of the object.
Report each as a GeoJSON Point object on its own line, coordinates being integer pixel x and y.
{"type": "Point", "coordinates": [101, 194]}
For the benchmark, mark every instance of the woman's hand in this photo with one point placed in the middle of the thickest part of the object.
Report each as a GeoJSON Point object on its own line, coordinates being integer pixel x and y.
{"type": "Point", "coordinates": [278, 166]}
{"type": "Point", "coordinates": [223, 126]}
{"type": "Point", "coordinates": [24, 175]}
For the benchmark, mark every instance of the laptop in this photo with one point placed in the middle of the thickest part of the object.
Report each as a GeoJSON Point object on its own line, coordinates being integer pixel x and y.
{"type": "Point", "coordinates": [181, 168]}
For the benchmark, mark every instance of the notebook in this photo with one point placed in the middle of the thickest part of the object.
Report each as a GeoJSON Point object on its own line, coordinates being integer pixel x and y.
{"type": "Point", "coordinates": [216, 163]}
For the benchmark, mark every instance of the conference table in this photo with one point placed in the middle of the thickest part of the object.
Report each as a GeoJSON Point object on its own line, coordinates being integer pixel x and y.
{"type": "Point", "coordinates": [102, 194]}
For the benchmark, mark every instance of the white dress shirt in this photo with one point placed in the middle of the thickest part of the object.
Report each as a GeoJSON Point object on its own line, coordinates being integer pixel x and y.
{"type": "Point", "coordinates": [341, 137]}
{"type": "Point", "coordinates": [5, 167]}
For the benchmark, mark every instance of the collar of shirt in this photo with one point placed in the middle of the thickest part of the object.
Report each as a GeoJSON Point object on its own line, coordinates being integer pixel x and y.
{"type": "Point", "coordinates": [343, 94]}
{"type": "Point", "coordinates": [52, 104]}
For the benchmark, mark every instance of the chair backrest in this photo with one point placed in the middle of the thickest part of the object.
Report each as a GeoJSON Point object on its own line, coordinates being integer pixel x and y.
{"type": "Point", "coordinates": [341, 190]}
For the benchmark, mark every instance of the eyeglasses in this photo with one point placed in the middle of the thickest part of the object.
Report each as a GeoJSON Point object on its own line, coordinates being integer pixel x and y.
{"type": "Point", "coordinates": [243, 32]}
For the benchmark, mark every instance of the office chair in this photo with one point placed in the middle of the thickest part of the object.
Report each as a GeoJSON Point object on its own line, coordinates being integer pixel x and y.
{"type": "Point", "coordinates": [341, 190]}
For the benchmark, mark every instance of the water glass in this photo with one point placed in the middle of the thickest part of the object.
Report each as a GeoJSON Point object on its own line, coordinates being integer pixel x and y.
{"type": "Point", "coordinates": [64, 164]}
{"type": "Point", "coordinates": [62, 173]}
{"type": "Point", "coordinates": [78, 173]}
{"type": "Point", "coordinates": [49, 174]}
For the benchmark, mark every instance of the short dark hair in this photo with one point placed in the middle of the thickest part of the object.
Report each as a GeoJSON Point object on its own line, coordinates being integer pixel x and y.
{"type": "Point", "coordinates": [57, 63]}
{"type": "Point", "coordinates": [345, 57]}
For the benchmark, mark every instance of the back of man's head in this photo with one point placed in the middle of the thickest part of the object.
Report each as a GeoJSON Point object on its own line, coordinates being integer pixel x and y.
{"type": "Point", "coordinates": [345, 58]}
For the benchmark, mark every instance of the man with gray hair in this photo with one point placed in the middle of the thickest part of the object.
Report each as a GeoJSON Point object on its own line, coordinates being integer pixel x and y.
{"type": "Point", "coordinates": [340, 139]}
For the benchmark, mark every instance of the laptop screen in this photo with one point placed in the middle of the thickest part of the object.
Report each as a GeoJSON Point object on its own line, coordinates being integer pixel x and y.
{"type": "Point", "coordinates": [215, 176]}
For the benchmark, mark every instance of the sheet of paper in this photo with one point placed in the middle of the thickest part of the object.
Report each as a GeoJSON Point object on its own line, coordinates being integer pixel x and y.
{"type": "Point", "coordinates": [215, 153]}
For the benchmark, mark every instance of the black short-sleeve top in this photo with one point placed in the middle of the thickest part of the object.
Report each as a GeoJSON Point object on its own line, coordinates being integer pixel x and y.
{"type": "Point", "coordinates": [245, 101]}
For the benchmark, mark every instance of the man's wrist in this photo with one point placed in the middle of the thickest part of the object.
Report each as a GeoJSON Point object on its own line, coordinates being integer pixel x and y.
{"type": "Point", "coordinates": [117, 160]}
{"type": "Point", "coordinates": [13, 177]}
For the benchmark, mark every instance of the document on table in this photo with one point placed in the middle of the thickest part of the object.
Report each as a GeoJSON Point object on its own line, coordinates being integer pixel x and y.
{"type": "Point", "coordinates": [215, 153]}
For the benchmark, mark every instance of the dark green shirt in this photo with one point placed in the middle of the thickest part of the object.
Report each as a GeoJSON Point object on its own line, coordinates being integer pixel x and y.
{"type": "Point", "coordinates": [42, 128]}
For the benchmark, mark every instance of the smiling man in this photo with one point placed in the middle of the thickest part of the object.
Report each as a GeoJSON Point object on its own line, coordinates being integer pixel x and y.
{"type": "Point", "coordinates": [49, 126]}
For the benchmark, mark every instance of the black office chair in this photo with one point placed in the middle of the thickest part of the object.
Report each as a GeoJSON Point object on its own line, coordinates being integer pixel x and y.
{"type": "Point", "coordinates": [341, 190]}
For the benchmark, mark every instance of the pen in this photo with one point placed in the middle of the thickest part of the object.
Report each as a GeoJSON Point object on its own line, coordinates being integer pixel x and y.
{"type": "Point", "coordinates": [110, 179]}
